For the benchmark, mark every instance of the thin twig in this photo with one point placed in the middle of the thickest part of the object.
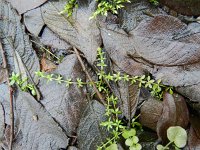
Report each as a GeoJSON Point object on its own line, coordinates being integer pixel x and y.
{"type": "Point", "coordinates": [84, 69]}
{"type": "Point", "coordinates": [11, 96]}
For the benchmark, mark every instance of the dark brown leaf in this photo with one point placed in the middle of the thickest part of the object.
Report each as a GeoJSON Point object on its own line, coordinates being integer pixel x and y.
{"type": "Point", "coordinates": [151, 112]}
{"type": "Point", "coordinates": [186, 7]}
{"type": "Point", "coordinates": [64, 104]}
{"type": "Point", "coordinates": [174, 113]}
{"type": "Point", "coordinates": [194, 120]}
{"type": "Point", "coordinates": [193, 140]}
{"type": "Point", "coordinates": [23, 5]}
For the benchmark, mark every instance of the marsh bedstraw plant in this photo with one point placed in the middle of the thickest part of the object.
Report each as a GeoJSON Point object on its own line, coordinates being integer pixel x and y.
{"type": "Point", "coordinates": [103, 7]}
{"type": "Point", "coordinates": [22, 83]}
{"type": "Point", "coordinates": [113, 124]}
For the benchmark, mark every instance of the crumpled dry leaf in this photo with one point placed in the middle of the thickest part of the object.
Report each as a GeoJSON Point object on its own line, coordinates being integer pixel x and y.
{"type": "Point", "coordinates": [21, 57]}
{"type": "Point", "coordinates": [33, 21]}
{"type": "Point", "coordinates": [41, 133]}
{"type": "Point", "coordinates": [150, 113]}
{"type": "Point", "coordinates": [90, 133]}
{"type": "Point", "coordinates": [23, 5]}
{"type": "Point", "coordinates": [175, 113]}
{"type": "Point", "coordinates": [2, 122]}
{"type": "Point", "coordinates": [65, 104]}
{"type": "Point", "coordinates": [79, 31]}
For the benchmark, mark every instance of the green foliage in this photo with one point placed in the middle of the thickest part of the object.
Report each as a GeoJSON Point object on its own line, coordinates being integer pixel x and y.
{"type": "Point", "coordinates": [154, 2]}
{"type": "Point", "coordinates": [176, 135]}
{"type": "Point", "coordinates": [22, 83]}
{"type": "Point", "coordinates": [69, 7]}
{"type": "Point", "coordinates": [113, 124]}
{"type": "Point", "coordinates": [105, 6]}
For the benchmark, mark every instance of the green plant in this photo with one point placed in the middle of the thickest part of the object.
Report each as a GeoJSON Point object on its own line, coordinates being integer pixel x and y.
{"type": "Point", "coordinates": [22, 83]}
{"type": "Point", "coordinates": [177, 136]}
{"type": "Point", "coordinates": [105, 6]}
{"type": "Point", "coordinates": [154, 2]}
{"type": "Point", "coordinates": [69, 7]}
{"type": "Point", "coordinates": [113, 124]}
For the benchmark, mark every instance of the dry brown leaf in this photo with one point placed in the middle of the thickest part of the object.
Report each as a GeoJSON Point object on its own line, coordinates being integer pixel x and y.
{"type": "Point", "coordinates": [47, 65]}
{"type": "Point", "coordinates": [193, 140]}
{"type": "Point", "coordinates": [150, 113]}
{"type": "Point", "coordinates": [172, 115]}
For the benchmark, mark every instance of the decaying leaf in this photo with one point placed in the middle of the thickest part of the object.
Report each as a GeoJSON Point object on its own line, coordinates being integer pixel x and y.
{"type": "Point", "coordinates": [47, 65]}
{"type": "Point", "coordinates": [50, 39]}
{"type": "Point", "coordinates": [90, 133]}
{"type": "Point", "coordinates": [193, 139]}
{"type": "Point", "coordinates": [65, 104]}
{"type": "Point", "coordinates": [78, 31]}
{"type": "Point", "coordinates": [2, 122]}
{"type": "Point", "coordinates": [33, 21]}
{"type": "Point", "coordinates": [151, 111]}
{"type": "Point", "coordinates": [129, 95]}
{"type": "Point", "coordinates": [21, 57]}
{"type": "Point", "coordinates": [23, 5]}
{"type": "Point", "coordinates": [42, 134]}
{"type": "Point", "coordinates": [175, 113]}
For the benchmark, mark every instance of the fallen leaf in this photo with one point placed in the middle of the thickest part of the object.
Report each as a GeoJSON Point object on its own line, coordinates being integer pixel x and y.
{"type": "Point", "coordinates": [33, 21]}
{"type": "Point", "coordinates": [23, 5]}
{"type": "Point", "coordinates": [193, 139]}
{"type": "Point", "coordinates": [47, 65]}
{"type": "Point", "coordinates": [90, 133]}
{"type": "Point", "coordinates": [21, 57]}
{"type": "Point", "coordinates": [36, 133]}
{"type": "Point", "coordinates": [65, 104]}
{"type": "Point", "coordinates": [185, 7]}
{"type": "Point", "coordinates": [79, 31]}
{"type": "Point", "coordinates": [50, 39]}
{"type": "Point", "coordinates": [129, 95]}
{"type": "Point", "coordinates": [175, 113]}
{"type": "Point", "coordinates": [150, 113]}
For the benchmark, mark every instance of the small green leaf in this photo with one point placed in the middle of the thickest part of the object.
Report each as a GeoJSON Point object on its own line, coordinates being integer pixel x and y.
{"type": "Point", "coordinates": [178, 135]}
{"type": "Point", "coordinates": [129, 142]}
{"type": "Point", "coordinates": [112, 147]}
{"type": "Point", "coordinates": [128, 133]}
{"type": "Point", "coordinates": [160, 147]}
